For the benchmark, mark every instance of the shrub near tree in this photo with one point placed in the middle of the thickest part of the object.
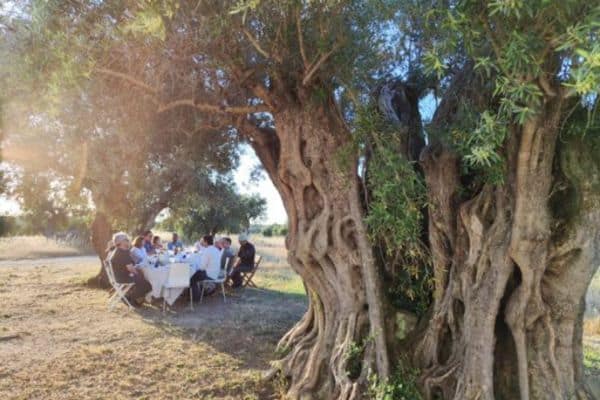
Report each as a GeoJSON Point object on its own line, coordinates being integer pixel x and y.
{"type": "Point", "coordinates": [275, 230]}
{"type": "Point", "coordinates": [500, 203]}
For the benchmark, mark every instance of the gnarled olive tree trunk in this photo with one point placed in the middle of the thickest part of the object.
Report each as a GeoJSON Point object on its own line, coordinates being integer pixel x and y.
{"type": "Point", "coordinates": [313, 168]}
{"type": "Point", "coordinates": [510, 289]}
{"type": "Point", "coordinates": [101, 233]}
{"type": "Point", "coordinates": [510, 271]}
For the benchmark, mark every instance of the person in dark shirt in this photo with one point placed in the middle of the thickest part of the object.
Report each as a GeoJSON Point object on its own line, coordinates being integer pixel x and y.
{"type": "Point", "coordinates": [245, 261]}
{"type": "Point", "coordinates": [125, 271]}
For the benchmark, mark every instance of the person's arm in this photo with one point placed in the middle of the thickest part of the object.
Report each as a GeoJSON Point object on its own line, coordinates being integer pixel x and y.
{"type": "Point", "coordinates": [130, 264]}
{"type": "Point", "coordinates": [122, 261]}
{"type": "Point", "coordinates": [204, 260]}
{"type": "Point", "coordinates": [231, 256]}
{"type": "Point", "coordinates": [238, 259]}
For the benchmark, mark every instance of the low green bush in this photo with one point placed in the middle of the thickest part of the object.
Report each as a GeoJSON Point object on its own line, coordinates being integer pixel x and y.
{"type": "Point", "coordinates": [401, 386]}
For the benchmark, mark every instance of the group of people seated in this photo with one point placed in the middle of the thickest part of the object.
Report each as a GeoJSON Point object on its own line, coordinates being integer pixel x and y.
{"type": "Point", "coordinates": [215, 255]}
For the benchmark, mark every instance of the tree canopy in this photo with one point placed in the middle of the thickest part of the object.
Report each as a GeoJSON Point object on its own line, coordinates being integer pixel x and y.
{"type": "Point", "coordinates": [214, 209]}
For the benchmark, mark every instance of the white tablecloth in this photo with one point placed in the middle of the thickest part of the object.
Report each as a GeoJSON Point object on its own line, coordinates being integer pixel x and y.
{"type": "Point", "coordinates": [158, 277]}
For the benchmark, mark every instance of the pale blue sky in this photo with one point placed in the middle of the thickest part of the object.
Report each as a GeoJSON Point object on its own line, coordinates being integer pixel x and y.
{"type": "Point", "coordinates": [275, 210]}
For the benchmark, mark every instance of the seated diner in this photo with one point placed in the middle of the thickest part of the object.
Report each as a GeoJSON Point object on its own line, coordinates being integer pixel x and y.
{"type": "Point", "coordinates": [138, 252]}
{"type": "Point", "coordinates": [125, 270]}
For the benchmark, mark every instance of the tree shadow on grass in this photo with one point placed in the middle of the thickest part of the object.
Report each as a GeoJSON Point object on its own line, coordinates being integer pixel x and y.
{"type": "Point", "coordinates": [247, 326]}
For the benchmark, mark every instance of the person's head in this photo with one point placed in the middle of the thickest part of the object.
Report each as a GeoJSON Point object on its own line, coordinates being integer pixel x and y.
{"type": "Point", "coordinates": [226, 242]}
{"type": "Point", "coordinates": [156, 240]}
{"type": "Point", "coordinates": [175, 237]}
{"type": "Point", "coordinates": [138, 242]}
{"type": "Point", "coordinates": [218, 243]}
{"type": "Point", "coordinates": [148, 236]}
{"type": "Point", "coordinates": [243, 238]}
{"type": "Point", "coordinates": [207, 240]}
{"type": "Point", "coordinates": [121, 240]}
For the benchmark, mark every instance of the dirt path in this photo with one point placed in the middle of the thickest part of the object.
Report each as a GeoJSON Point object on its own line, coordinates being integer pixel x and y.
{"type": "Point", "coordinates": [59, 341]}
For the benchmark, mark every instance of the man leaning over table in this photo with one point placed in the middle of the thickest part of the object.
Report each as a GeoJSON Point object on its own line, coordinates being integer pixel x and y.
{"type": "Point", "coordinates": [209, 266]}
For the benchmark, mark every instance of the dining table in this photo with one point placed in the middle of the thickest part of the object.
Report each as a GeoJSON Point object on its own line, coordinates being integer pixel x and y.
{"type": "Point", "coordinates": [156, 271]}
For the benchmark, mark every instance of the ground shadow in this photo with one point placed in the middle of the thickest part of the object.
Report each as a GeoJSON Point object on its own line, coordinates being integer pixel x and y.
{"type": "Point", "coordinates": [247, 326]}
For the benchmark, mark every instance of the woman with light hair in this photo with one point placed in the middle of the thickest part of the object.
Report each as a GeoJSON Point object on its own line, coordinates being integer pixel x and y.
{"type": "Point", "coordinates": [125, 271]}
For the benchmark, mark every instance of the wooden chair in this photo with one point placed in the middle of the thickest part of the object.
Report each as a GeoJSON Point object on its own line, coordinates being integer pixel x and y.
{"type": "Point", "coordinates": [247, 276]}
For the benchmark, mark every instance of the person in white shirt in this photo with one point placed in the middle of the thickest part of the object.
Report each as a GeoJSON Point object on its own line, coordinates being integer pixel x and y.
{"type": "Point", "coordinates": [210, 265]}
{"type": "Point", "coordinates": [198, 245]}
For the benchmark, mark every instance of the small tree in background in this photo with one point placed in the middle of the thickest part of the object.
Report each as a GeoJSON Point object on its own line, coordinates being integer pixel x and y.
{"type": "Point", "coordinates": [217, 209]}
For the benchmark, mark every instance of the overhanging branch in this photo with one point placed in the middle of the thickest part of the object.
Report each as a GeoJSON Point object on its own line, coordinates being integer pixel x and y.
{"type": "Point", "coordinates": [219, 109]}
{"type": "Point", "coordinates": [162, 107]}
{"type": "Point", "coordinates": [316, 65]}
{"type": "Point", "coordinates": [128, 78]}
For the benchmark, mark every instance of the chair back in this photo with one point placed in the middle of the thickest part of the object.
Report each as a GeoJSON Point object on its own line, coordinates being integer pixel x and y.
{"type": "Point", "coordinates": [257, 262]}
{"type": "Point", "coordinates": [179, 275]}
{"type": "Point", "coordinates": [110, 273]}
{"type": "Point", "coordinates": [223, 271]}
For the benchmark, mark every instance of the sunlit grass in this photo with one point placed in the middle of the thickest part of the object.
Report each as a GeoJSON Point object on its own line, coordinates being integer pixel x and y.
{"type": "Point", "coordinates": [30, 247]}
{"type": "Point", "coordinates": [65, 344]}
{"type": "Point", "coordinates": [591, 359]}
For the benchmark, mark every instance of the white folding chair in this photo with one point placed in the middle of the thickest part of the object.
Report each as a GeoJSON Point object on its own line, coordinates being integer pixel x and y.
{"type": "Point", "coordinates": [219, 281]}
{"type": "Point", "coordinates": [179, 277]}
{"type": "Point", "coordinates": [120, 289]}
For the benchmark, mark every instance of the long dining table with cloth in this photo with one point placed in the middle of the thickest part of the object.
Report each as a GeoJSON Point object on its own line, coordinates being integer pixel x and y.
{"type": "Point", "coordinates": [156, 272]}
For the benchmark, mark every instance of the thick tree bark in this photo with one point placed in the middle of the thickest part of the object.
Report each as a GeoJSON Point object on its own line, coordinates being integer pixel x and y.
{"type": "Point", "coordinates": [573, 257]}
{"type": "Point", "coordinates": [510, 276]}
{"type": "Point", "coordinates": [101, 233]}
{"type": "Point", "coordinates": [509, 297]}
{"type": "Point", "coordinates": [328, 247]}
{"type": "Point", "coordinates": [148, 215]}
{"type": "Point", "coordinates": [399, 104]}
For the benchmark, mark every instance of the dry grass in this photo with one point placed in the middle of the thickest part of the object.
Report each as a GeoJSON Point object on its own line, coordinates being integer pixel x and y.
{"type": "Point", "coordinates": [591, 326]}
{"type": "Point", "coordinates": [58, 340]}
{"type": "Point", "coordinates": [32, 247]}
